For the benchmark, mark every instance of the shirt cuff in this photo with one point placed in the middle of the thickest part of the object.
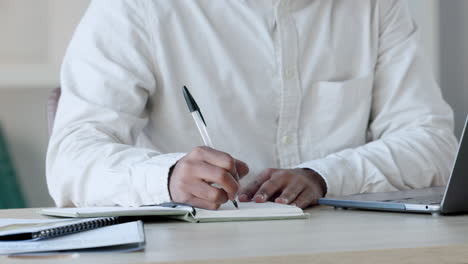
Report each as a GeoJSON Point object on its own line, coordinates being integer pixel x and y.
{"type": "Point", "coordinates": [328, 168]}
{"type": "Point", "coordinates": [154, 187]}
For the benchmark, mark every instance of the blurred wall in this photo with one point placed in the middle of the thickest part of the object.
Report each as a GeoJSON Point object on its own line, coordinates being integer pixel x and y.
{"type": "Point", "coordinates": [454, 57]}
{"type": "Point", "coordinates": [34, 36]}
{"type": "Point", "coordinates": [426, 15]}
{"type": "Point", "coordinates": [444, 36]}
{"type": "Point", "coordinates": [23, 119]}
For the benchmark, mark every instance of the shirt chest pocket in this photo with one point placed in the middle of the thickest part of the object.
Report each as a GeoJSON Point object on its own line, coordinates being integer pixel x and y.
{"type": "Point", "coordinates": [335, 115]}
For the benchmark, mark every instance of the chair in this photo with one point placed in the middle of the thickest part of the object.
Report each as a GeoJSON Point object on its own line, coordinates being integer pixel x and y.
{"type": "Point", "coordinates": [52, 104]}
{"type": "Point", "coordinates": [10, 193]}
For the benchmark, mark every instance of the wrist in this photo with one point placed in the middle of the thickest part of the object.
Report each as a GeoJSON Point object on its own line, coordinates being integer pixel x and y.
{"type": "Point", "coordinates": [318, 179]}
{"type": "Point", "coordinates": [169, 175]}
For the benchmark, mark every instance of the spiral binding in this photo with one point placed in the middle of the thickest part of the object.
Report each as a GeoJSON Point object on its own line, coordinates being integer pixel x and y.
{"type": "Point", "coordinates": [75, 228]}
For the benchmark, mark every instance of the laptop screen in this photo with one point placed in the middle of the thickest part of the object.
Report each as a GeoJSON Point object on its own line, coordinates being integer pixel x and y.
{"type": "Point", "coordinates": [456, 196]}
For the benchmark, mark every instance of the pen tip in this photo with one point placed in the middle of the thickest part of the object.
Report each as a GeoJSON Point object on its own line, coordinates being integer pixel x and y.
{"type": "Point", "coordinates": [192, 105]}
{"type": "Point", "coordinates": [235, 204]}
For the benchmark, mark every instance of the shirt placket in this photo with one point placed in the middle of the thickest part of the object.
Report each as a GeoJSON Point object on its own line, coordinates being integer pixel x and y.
{"type": "Point", "coordinates": [290, 96]}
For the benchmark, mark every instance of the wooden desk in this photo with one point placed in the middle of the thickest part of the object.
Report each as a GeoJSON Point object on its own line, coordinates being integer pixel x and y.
{"type": "Point", "coordinates": [327, 235]}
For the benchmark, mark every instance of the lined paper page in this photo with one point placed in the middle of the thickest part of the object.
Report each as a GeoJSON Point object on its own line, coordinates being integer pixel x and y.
{"type": "Point", "coordinates": [250, 210]}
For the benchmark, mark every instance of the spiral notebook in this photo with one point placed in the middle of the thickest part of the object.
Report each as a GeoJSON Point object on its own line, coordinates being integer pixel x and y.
{"type": "Point", "coordinates": [39, 236]}
{"type": "Point", "coordinates": [37, 231]}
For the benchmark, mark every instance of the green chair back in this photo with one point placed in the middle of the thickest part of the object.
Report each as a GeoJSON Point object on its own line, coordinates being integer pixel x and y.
{"type": "Point", "coordinates": [10, 193]}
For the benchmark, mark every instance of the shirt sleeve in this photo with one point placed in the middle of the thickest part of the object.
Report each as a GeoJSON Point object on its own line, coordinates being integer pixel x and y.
{"type": "Point", "coordinates": [107, 77]}
{"type": "Point", "coordinates": [411, 140]}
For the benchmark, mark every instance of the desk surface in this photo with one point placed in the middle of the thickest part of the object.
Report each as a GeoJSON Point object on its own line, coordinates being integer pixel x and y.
{"type": "Point", "coordinates": [327, 232]}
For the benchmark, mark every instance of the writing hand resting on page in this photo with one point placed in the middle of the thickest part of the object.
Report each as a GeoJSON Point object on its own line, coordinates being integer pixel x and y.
{"type": "Point", "coordinates": [192, 178]}
{"type": "Point", "coordinates": [302, 187]}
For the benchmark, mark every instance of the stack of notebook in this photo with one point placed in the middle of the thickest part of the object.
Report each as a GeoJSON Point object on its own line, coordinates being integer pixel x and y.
{"type": "Point", "coordinates": [20, 236]}
{"type": "Point", "coordinates": [246, 212]}
{"type": "Point", "coordinates": [114, 228]}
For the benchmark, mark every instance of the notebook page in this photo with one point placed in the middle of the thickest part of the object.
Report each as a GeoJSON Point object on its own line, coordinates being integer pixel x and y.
{"type": "Point", "coordinates": [121, 234]}
{"type": "Point", "coordinates": [250, 210]}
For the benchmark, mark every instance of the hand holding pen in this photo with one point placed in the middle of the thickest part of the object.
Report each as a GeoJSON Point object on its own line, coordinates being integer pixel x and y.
{"type": "Point", "coordinates": [205, 177]}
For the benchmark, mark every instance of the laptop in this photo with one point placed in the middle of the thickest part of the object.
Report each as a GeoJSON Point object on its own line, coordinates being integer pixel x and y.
{"type": "Point", "coordinates": [437, 200]}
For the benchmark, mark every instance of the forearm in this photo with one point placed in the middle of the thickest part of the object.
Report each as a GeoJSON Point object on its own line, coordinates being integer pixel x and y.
{"type": "Point", "coordinates": [88, 167]}
{"type": "Point", "coordinates": [417, 158]}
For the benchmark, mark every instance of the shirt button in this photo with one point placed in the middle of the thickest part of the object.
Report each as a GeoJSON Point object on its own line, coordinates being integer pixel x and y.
{"type": "Point", "coordinates": [286, 140]}
{"type": "Point", "coordinates": [289, 73]}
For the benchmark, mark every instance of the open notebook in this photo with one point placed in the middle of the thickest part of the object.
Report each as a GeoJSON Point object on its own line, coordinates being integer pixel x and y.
{"type": "Point", "coordinates": [247, 212]}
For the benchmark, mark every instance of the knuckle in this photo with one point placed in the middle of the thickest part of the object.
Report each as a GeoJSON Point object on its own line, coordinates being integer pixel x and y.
{"type": "Point", "coordinates": [284, 174]}
{"type": "Point", "coordinates": [230, 162]}
{"type": "Point", "coordinates": [277, 177]}
{"type": "Point", "coordinates": [273, 184]}
{"type": "Point", "coordinates": [184, 165]}
{"type": "Point", "coordinates": [224, 177]}
{"type": "Point", "coordinates": [221, 176]}
{"type": "Point", "coordinates": [198, 151]}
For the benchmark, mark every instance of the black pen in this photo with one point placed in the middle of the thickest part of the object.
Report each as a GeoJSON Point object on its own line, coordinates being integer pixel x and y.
{"type": "Point", "coordinates": [200, 122]}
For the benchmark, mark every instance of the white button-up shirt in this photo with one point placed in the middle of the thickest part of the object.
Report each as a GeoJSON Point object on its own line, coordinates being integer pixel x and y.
{"type": "Point", "coordinates": [337, 86]}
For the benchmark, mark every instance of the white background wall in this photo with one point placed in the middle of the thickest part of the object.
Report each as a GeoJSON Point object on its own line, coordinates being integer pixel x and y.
{"type": "Point", "coordinates": [444, 35]}
{"type": "Point", "coordinates": [426, 15]}
{"type": "Point", "coordinates": [33, 39]}
{"type": "Point", "coordinates": [453, 50]}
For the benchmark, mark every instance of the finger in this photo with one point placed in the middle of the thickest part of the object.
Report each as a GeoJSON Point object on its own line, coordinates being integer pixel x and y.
{"type": "Point", "coordinates": [269, 188]}
{"type": "Point", "coordinates": [212, 174]}
{"type": "Point", "coordinates": [216, 158]}
{"type": "Point", "coordinates": [290, 193]}
{"type": "Point", "coordinates": [204, 204]}
{"type": "Point", "coordinates": [306, 199]}
{"type": "Point", "coordinates": [209, 193]}
{"type": "Point", "coordinates": [242, 168]}
{"type": "Point", "coordinates": [246, 193]}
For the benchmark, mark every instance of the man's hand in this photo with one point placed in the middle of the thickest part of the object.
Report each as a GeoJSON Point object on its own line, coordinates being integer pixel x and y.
{"type": "Point", "coordinates": [300, 187]}
{"type": "Point", "coordinates": [192, 178]}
